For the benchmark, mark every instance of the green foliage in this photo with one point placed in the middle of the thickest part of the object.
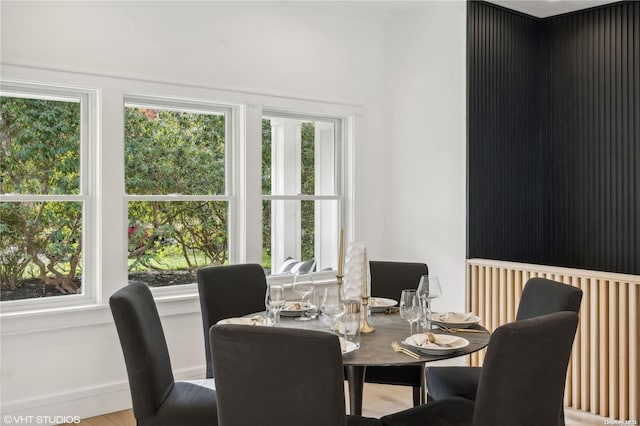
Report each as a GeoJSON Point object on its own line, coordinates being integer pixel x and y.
{"type": "Point", "coordinates": [308, 155]}
{"type": "Point", "coordinates": [39, 146]}
{"type": "Point", "coordinates": [195, 229]}
{"type": "Point", "coordinates": [266, 156]}
{"type": "Point", "coordinates": [173, 152]}
{"type": "Point", "coordinates": [14, 256]}
{"type": "Point", "coordinates": [266, 189]}
{"type": "Point", "coordinates": [40, 154]}
{"type": "Point", "coordinates": [166, 152]}
{"type": "Point", "coordinates": [308, 187]}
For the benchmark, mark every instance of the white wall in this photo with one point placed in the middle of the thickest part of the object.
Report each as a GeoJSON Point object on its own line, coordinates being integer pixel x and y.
{"type": "Point", "coordinates": [425, 143]}
{"type": "Point", "coordinates": [70, 363]}
{"type": "Point", "coordinates": [408, 77]}
{"type": "Point", "coordinates": [264, 47]}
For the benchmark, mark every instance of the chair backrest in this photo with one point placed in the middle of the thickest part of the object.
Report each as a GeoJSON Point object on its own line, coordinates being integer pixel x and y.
{"type": "Point", "coordinates": [388, 279]}
{"type": "Point", "coordinates": [541, 296]}
{"type": "Point", "coordinates": [524, 371]}
{"type": "Point", "coordinates": [269, 376]}
{"type": "Point", "coordinates": [229, 291]}
{"type": "Point", "coordinates": [144, 347]}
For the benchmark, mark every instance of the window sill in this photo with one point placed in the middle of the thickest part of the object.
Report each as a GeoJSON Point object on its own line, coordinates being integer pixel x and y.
{"type": "Point", "coordinates": [319, 278]}
{"type": "Point", "coordinates": [33, 320]}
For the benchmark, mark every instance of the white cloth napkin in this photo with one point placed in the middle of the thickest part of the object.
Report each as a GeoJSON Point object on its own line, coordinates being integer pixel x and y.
{"type": "Point", "coordinates": [442, 341]}
{"type": "Point", "coordinates": [454, 317]}
{"type": "Point", "coordinates": [254, 320]}
{"type": "Point", "coordinates": [295, 306]}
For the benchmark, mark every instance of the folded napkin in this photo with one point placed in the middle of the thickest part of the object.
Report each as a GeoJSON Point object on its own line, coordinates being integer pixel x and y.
{"type": "Point", "coordinates": [295, 306]}
{"type": "Point", "coordinates": [254, 320]}
{"type": "Point", "coordinates": [456, 317]}
{"type": "Point", "coordinates": [442, 341]}
{"type": "Point", "coordinates": [257, 320]}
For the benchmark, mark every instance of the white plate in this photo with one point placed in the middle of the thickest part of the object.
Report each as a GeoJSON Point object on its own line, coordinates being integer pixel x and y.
{"type": "Point", "coordinates": [454, 319]}
{"type": "Point", "coordinates": [347, 347]}
{"type": "Point", "coordinates": [379, 304]}
{"type": "Point", "coordinates": [294, 309]}
{"type": "Point", "coordinates": [256, 320]}
{"type": "Point", "coordinates": [421, 343]}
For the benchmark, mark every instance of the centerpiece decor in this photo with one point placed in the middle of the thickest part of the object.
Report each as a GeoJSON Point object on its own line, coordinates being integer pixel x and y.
{"type": "Point", "coordinates": [354, 271]}
{"type": "Point", "coordinates": [366, 282]}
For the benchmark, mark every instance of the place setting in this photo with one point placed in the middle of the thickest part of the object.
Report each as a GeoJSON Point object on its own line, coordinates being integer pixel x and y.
{"type": "Point", "coordinates": [455, 322]}
{"type": "Point", "coordinates": [435, 343]}
{"type": "Point", "coordinates": [415, 308]}
{"type": "Point", "coordinates": [307, 307]}
{"type": "Point", "coordinates": [382, 304]}
{"type": "Point", "coordinates": [254, 320]}
{"type": "Point", "coordinates": [296, 309]}
{"type": "Point", "coordinates": [315, 309]}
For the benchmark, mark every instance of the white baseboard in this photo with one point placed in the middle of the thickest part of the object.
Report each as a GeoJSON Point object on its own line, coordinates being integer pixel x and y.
{"type": "Point", "coordinates": [78, 403]}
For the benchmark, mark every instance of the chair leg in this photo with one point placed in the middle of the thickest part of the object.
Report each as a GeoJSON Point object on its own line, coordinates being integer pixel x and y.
{"type": "Point", "coordinates": [424, 394]}
{"type": "Point", "coordinates": [417, 395]}
{"type": "Point", "coordinates": [355, 378]}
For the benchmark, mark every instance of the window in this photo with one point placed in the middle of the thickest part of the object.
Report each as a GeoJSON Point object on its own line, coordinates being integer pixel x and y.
{"type": "Point", "coordinates": [301, 192]}
{"type": "Point", "coordinates": [182, 180]}
{"type": "Point", "coordinates": [45, 200]}
{"type": "Point", "coordinates": [177, 184]}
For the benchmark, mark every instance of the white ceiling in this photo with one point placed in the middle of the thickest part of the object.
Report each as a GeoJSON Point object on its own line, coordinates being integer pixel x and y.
{"type": "Point", "coordinates": [380, 11]}
{"type": "Point", "coordinates": [545, 8]}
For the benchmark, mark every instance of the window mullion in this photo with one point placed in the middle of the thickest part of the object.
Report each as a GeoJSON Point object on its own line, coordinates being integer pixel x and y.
{"type": "Point", "coordinates": [249, 178]}
{"type": "Point", "coordinates": [178, 197]}
{"type": "Point", "coordinates": [301, 197]}
{"type": "Point", "coordinates": [37, 197]}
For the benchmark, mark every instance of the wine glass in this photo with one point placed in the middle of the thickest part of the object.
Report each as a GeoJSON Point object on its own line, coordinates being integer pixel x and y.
{"type": "Point", "coordinates": [428, 289]}
{"type": "Point", "coordinates": [410, 308]}
{"type": "Point", "coordinates": [314, 305]}
{"type": "Point", "coordinates": [303, 285]}
{"type": "Point", "coordinates": [332, 305]}
{"type": "Point", "coordinates": [274, 302]}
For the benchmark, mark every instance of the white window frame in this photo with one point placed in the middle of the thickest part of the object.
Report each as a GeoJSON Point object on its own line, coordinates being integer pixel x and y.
{"type": "Point", "coordinates": [325, 244]}
{"type": "Point", "coordinates": [87, 98]}
{"type": "Point", "coordinates": [105, 267]}
{"type": "Point", "coordinates": [229, 196]}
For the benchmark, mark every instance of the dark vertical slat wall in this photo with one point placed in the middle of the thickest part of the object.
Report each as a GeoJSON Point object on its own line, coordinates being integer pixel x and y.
{"type": "Point", "coordinates": [593, 141]}
{"type": "Point", "coordinates": [503, 123]}
{"type": "Point", "coordinates": [554, 138]}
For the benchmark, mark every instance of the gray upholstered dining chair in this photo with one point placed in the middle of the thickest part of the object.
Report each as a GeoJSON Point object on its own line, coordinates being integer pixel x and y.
{"type": "Point", "coordinates": [157, 399]}
{"type": "Point", "coordinates": [522, 380]}
{"type": "Point", "coordinates": [539, 297]}
{"type": "Point", "coordinates": [228, 291]}
{"type": "Point", "coordinates": [269, 376]}
{"type": "Point", "coordinates": [388, 279]}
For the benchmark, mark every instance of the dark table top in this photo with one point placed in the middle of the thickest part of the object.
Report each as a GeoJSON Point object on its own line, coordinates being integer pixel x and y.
{"type": "Point", "coordinates": [375, 348]}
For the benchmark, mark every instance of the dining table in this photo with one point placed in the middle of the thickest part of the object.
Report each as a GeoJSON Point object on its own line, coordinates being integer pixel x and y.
{"type": "Point", "coordinates": [375, 347]}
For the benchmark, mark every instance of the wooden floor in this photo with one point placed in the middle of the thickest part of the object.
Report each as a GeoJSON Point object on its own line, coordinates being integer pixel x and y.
{"type": "Point", "coordinates": [379, 400]}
